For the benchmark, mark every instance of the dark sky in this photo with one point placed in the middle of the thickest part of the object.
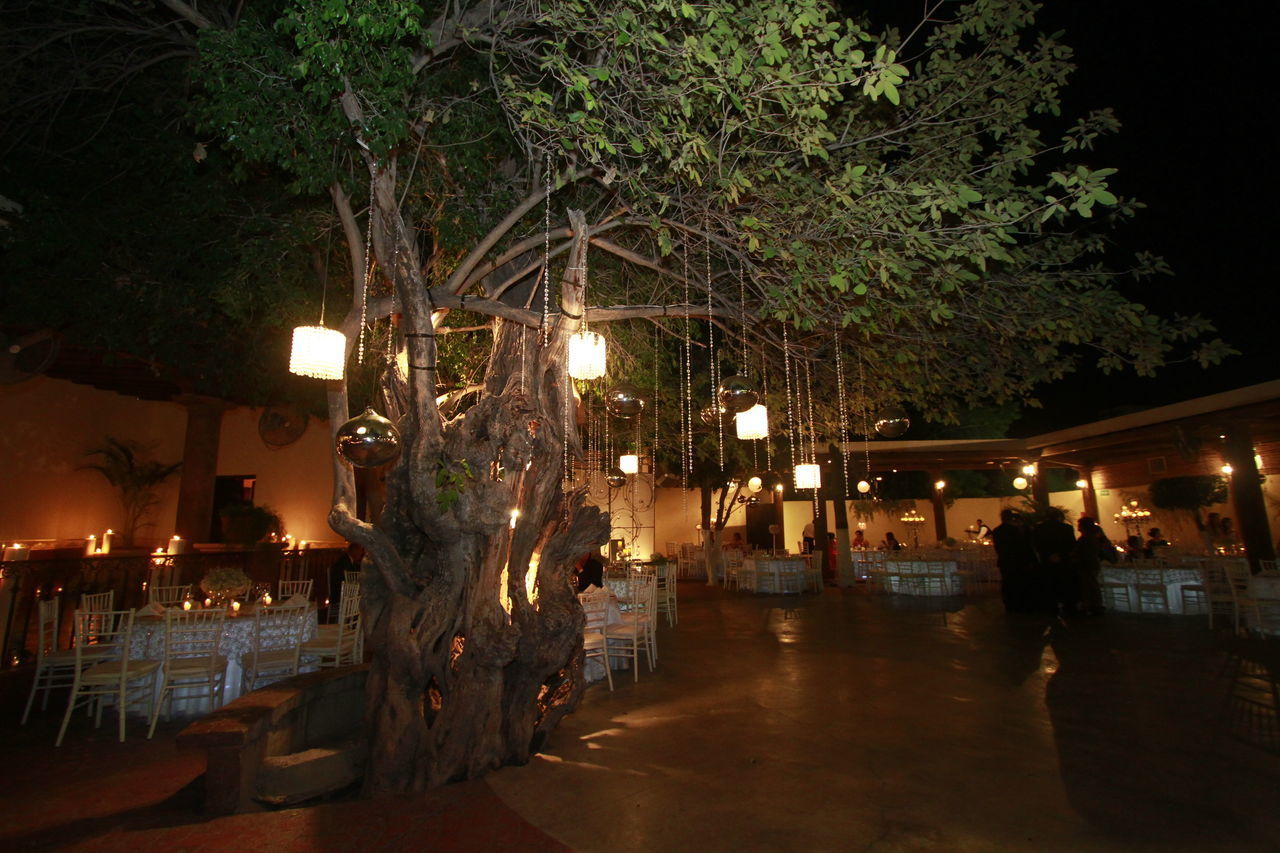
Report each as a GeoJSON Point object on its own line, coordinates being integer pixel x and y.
{"type": "Point", "coordinates": [1194, 100]}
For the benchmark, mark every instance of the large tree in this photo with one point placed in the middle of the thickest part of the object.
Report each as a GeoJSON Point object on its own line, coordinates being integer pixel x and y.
{"type": "Point", "coordinates": [893, 209]}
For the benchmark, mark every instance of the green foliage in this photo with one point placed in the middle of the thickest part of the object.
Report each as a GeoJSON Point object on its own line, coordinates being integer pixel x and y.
{"type": "Point", "coordinates": [450, 483]}
{"type": "Point", "coordinates": [135, 478]}
{"type": "Point", "coordinates": [1190, 492]}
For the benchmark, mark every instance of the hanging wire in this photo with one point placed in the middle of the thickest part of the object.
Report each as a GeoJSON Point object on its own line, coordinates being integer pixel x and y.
{"type": "Point", "coordinates": [546, 249]}
{"type": "Point", "coordinates": [844, 415]}
{"type": "Point", "coordinates": [866, 421]}
{"type": "Point", "coordinates": [768, 445]}
{"type": "Point", "coordinates": [686, 450]}
{"type": "Point", "coordinates": [368, 268]}
{"type": "Point", "coordinates": [813, 431]}
{"type": "Point", "coordinates": [653, 451]}
{"type": "Point", "coordinates": [791, 413]}
{"type": "Point", "coordinates": [711, 345]}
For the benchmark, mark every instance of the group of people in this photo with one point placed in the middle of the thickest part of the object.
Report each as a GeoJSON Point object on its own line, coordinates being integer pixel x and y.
{"type": "Point", "coordinates": [1047, 567]}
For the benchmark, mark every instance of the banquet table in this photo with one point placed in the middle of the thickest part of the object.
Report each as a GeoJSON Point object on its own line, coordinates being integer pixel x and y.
{"type": "Point", "coordinates": [1172, 578]}
{"type": "Point", "coordinates": [776, 574]}
{"type": "Point", "coordinates": [921, 577]}
{"type": "Point", "coordinates": [237, 639]}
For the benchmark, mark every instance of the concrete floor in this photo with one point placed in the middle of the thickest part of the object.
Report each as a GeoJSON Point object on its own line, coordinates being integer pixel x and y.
{"type": "Point", "coordinates": [855, 722]}
{"type": "Point", "coordinates": [837, 722]}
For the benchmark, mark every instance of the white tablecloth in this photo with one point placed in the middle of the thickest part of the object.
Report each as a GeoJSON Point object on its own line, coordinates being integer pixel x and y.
{"type": "Point", "coordinates": [1265, 585]}
{"type": "Point", "coordinates": [1172, 579]}
{"type": "Point", "coordinates": [910, 577]}
{"type": "Point", "coordinates": [237, 639]}
{"type": "Point", "coordinates": [774, 574]}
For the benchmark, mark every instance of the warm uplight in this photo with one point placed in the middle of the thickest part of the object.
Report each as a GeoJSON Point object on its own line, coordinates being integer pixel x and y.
{"type": "Point", "coordinates": [318, 352]}
{"type": "Point", "coordinates": [808, 476]}
{"type": "Point", "coordinates": [587, 353]}
{"type": "Point", "coordinates": [629, 463]}
{"type": "Point", "coordinates": [515, 516]}
{"type": "Point", "coordinates": [753, 423]}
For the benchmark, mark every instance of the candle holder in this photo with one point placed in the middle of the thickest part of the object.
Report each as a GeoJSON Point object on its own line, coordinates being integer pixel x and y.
{"type": "Point", "coordinates": [1133, 517]}
{"type": "Point", "coordinates": [914, 521]}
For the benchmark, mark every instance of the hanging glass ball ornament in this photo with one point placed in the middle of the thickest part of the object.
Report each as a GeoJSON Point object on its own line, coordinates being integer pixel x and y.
{"type": "Point", "coordinates": [709, 413]}
{"type": "Point", "coordinates": [623, 400]}
{"type": "Point", "coordinates": [863, 487]}
{"type": "Point", "coordinates": [615, 478]}
{"type": "Point", "coordinates": [892, 422]}
{"type": "Point", "coordinates": [368, 440]}
{"type": "Point", "coordinates": [736, 394]}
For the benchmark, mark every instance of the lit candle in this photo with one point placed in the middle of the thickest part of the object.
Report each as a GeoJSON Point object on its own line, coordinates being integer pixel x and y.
{"type": "Point", "coordinates": [177, 545]}
{"type": "Point", "coordinates": [208, 602]}
{"type": "Point", "coordinates": [16, 551]}
{"type": "Point", "coordinates": [266, 599]}
{"type": "Point", "coordinates": [91, 545]}
{"type": "Point", "coordinates": [106, 541]}
{"type": "Point", "coordinates": [186, 605]}
{"type": "Point", "coordinates": [235, 608]}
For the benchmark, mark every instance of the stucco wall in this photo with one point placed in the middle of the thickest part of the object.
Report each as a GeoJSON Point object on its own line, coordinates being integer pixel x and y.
{"type": "Point", "coordinates": [48, 426]}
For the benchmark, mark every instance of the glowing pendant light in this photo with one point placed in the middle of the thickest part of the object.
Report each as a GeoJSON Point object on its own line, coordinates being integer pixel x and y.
{"type": "Point", "coordinates": [808, 476]}
{"type": "Point", "coordinates": [586, 355]}
{"type": "Point", "coordinates": [753, 423]}
{"type": "Point", "coordinates": [318, 352]}
{"type": "Point", "coordinates": [864, 486]}
{"type": "Point", "coordinates": [629, 463]}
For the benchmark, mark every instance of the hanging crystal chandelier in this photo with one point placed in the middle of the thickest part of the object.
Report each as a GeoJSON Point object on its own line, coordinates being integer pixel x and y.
{"type": "Point", "coordinates": [318, 352]}
{"type": "Point", "coordinates": [753, 423]}
{"type": "Point", "coordinates": [808, 476]}
{"type": "Point", "coordinates": [586, 355]}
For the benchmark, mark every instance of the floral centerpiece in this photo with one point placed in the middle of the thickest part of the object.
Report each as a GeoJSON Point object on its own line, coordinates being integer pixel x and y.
{"type": "Point", "coordinates": [225, 583]}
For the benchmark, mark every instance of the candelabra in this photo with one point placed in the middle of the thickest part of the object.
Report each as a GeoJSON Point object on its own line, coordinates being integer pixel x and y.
{"type": "Point", "coordinates": [1133, 517]}
{"type": "Point", "coordinates": [914, 521]}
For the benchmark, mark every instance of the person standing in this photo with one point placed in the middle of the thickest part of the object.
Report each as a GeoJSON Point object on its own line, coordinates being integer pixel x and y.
{"type": "Point", "coordinates": [1054, 542]}
{"type": "Point", "coordinates": [1016, 560]}
{"type": "Point", "coordinates": [1091, 549]}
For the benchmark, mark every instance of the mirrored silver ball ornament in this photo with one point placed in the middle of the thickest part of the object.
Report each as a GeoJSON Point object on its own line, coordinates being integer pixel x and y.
{"type": "Point", "coordinates": [368, 440]}
{"type": "Point", "coordinates": [736, 394]}
{"type": "Point", "coordinates": [615, 478]}
{"type": "Point", "coordinates": [708, 415]}
{"type": "Point", "coordinates": [892, 422]}
{"type": "Point", "coordinates": [623, 400]}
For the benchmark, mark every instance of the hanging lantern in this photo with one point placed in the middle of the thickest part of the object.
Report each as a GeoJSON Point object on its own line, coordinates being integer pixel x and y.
{"type": "Point", "coordinates": [893, 422]}
{"type": "Point", "coordinates": [623, 400]}
{"type": "Point", "coordinates": [1019, 483]}
{"type": "Point", "coordinates": [318, 352]}
{"type": "Point", "coordinates": [615, 478]}
{"type": "Point", "coordinates": [629, 463]}
{"type": "Point", "coordinates": [755, 484]}
{"type": "Point", "coordinates": [586, 355]}
{"type": "Point", "coordinates": [753, 423]}
{"type": "Point", "coordinates": [736, 394]}
{"type": "Point", "coordinates": [808, 476]}
{"type": "Point", "coordinates": [368, 440]}
{"type": "Point", "coordinates": [863, 486]}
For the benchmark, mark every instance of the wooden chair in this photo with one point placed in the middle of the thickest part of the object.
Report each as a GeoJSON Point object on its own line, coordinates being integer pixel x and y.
{"type": "Point", "coordinates": [288, 589]}
{"type": "Point", "coordinates": [104, 669]}
{"type": "Point", "coordinates": [343, 643]}
{"type": "Point", "coordinates": [193, 657]}
{"type": "Point", "coordinates": [168, 596]}
{"type": "Point", "coordinates": [595, 605]}
{"type": "Point", "coordinates": [55, 667]}
{"type": "Point", "coordinates": [275, 649]}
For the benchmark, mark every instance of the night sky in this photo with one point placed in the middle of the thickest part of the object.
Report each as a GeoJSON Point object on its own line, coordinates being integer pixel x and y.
{"type": "Point", "coordinates": [1192, 96]}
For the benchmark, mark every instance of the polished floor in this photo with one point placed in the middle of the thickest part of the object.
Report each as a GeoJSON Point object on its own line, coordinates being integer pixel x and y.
{"type": "Point", "coordinates": [842, 721]}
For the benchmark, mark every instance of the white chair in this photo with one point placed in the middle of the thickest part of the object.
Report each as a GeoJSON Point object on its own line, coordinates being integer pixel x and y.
{"type": "Point", "coordinates": [97, 602]}
{"type": "Point", "coordinates": [275, 649]}
{"type": "Point", "coordinates": [193, 657]}
{"type": "Point", "coordinates": [634, 631]}
{"type": "Point", "coordinates": [595, 605]}
{"type": "Point", "coordinates": [105, 670]}
{"type": "Point", "coordinates": [54, 667]}
{"type": "Point", "coordinates": [288, 589]}
{"type": "Point", "coordinates": [667, 593]}
{"type": "Point", "coordinates": [1153, 595]}
{"type": "Point", "coordinates": [351, 577]}
{"type": "Point", "coordinates": [1213, 577]}
{"type": "Point", "coordinates": [1238, 576]}
{"type": "Point", "coordinates": [343, 643]}
{"type": "Point", "coordinates": [168, 596]}
{"type": "Point", "coordinates": [733, 560]}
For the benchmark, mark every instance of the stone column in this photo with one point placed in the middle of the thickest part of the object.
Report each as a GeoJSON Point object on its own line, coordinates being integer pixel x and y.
{"type": "Point", "coordinates": [199, 467]}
